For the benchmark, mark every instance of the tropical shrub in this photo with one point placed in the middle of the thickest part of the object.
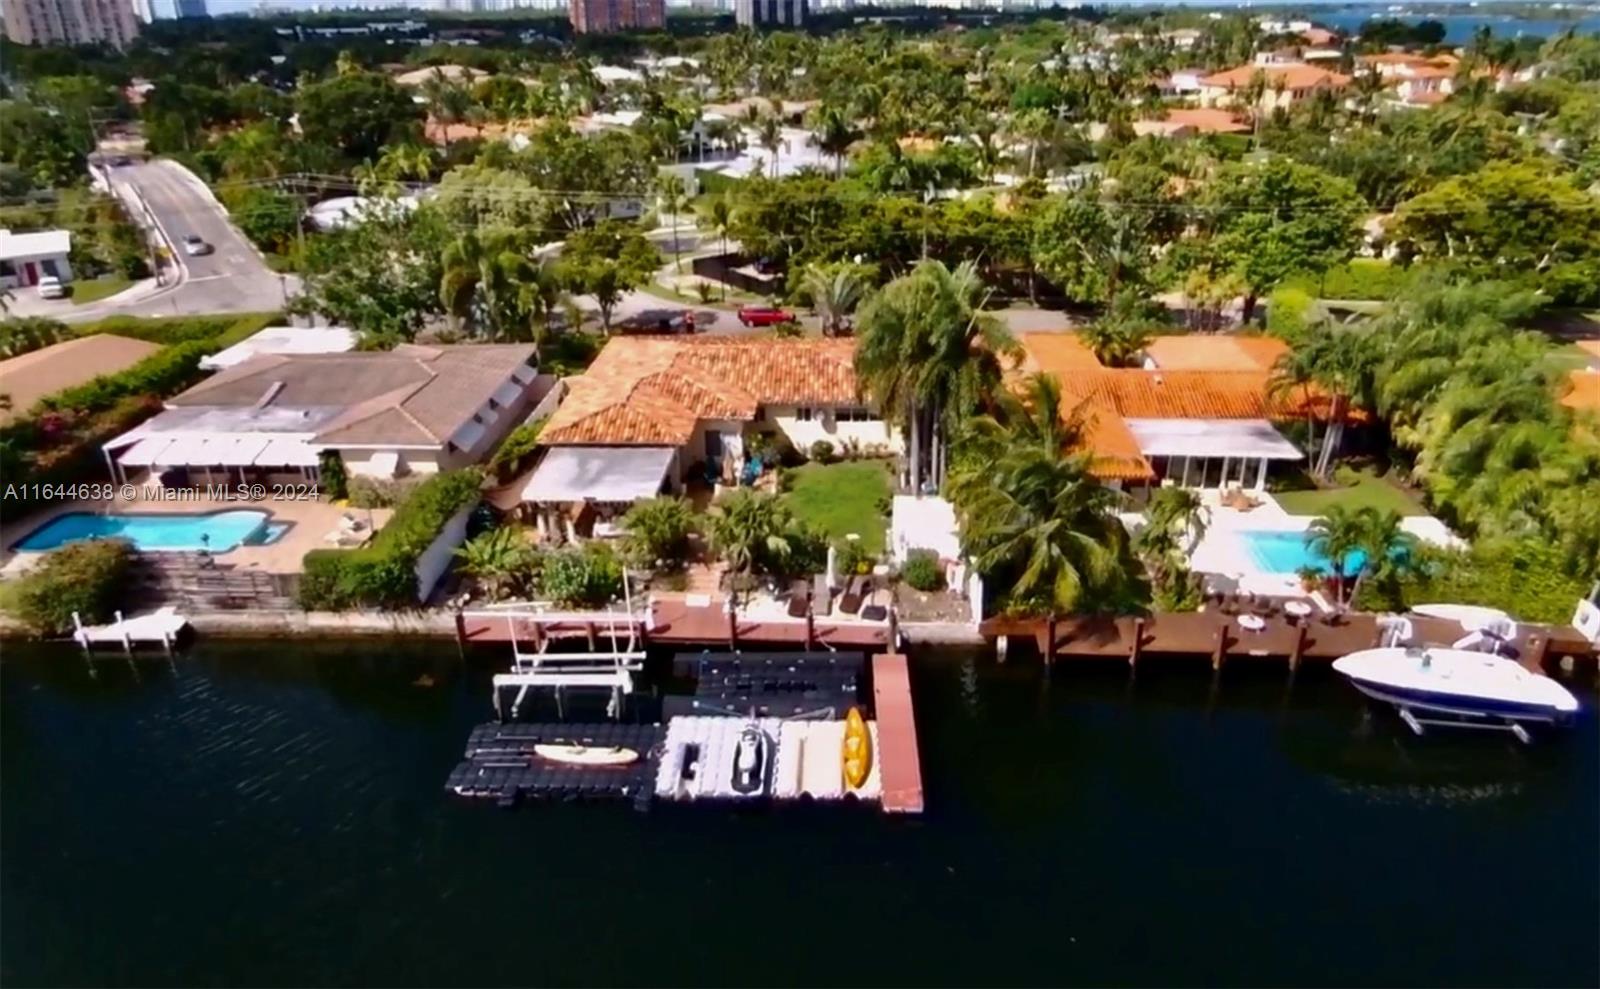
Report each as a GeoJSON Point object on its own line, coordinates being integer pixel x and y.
{"type": "Point", "coordinates": [502, 562]}
{"type": "Point", "coordinates": [589, 576]}
{"type": "Point", "coordinates": [1359, 278]}
{"type": "Point", "coordinates": [86, 577]}
{"type": "Point", "coordinates": [753, 531]}
{"type": "Point", "coordinates": [26, 334]}
{"type": "Point", "coordinates": [515, 451]}
{"type": "Point", "coordinates": [383, 574]}
{"type": "Point", "coordinates": [335, 481]}
{"type": "Point", "coordinates": [1525, 578]}
{"type": "Point", "coordinates": [850, 557]}
{"type": "Point", "coordinates": [658, 530]}
{"type": "Point", "coordinates": [822, 452]}
{"type": "Point", "coordinates": [922, 570]}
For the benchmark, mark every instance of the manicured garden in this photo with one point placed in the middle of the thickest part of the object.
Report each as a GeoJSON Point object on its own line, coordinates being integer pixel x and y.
{"type": "Point", "coordinates": [842, 498]}
{"type": "Point", "coordinates": [1352, 489]}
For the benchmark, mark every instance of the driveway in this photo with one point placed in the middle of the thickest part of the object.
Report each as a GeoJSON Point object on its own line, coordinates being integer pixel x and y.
{"type": "Point", "coordinates": [233, 278]}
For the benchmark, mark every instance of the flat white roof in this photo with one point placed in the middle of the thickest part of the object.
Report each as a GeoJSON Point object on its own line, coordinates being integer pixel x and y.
{"type": "Point", "coordinates": [284, 340]}
{"type": "Point", "coordinates": [1251, 438]}
{"type": "Point", "coordinates": [40, 243]}
{"type": "Point", "coordinates": [599, 473]}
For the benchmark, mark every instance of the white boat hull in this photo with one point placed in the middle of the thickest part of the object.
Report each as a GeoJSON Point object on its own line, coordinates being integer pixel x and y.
{"type": "Point", "coordinates": [1458, 683]}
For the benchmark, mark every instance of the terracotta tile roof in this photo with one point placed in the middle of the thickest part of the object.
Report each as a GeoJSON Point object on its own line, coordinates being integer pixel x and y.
{"type": "Point", "coordinates": [1201, 377]}
{"type": "Point", "coordinates": [653, 390]}
{"type": "Point", "coordinates": [1207, 121]}
{"type": "Point", "coordinates": [1583, 391]}
{"type": "Point", "coordinates": [1393, 58]}
{"type": "Point", "coordinates": [1292, 76]}
{"type": "Point", "coordinates": [45, 371]}
{"type": "Point", "coordinates": [1197, 352]}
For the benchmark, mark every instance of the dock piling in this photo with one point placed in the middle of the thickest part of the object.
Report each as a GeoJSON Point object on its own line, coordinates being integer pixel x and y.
{"type": "Point", "coordinates": [1221, 651]}
{"type": "Point", "coordinates": [1138, 641]}
{"type": "Point", "coordinates": [1299, 647]}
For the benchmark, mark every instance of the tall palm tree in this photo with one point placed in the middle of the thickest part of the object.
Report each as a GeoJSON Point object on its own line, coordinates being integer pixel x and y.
{"type": "Point", "coordinates": [672, 195]}
{"type": "Point", "coordinates": [1034, 520]}
{"type": "Point", "coordinates": [480, 275]}
{"type": "Point", "coordinates": [834, 291]}
{"type": "Point", "coordinates": [1340, 360]}
{"type": "Point", "coordinates": [929, 356]}
{"type": "Point", "coordinates": [769, 135]}
{"type": "Point", "coordinates": [833, 134]}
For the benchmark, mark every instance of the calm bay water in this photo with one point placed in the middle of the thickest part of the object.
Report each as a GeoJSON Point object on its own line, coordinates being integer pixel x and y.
{"type": "Point", "coordinates": [274, 814]}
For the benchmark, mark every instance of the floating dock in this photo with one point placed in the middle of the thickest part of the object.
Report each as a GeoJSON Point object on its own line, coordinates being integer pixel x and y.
{"type": "Point", "coordinates": [804, 759]}
{"type": "Point", "coordinates": [500, 763]}
{"type": "Point", "coordinates": [159, 629]}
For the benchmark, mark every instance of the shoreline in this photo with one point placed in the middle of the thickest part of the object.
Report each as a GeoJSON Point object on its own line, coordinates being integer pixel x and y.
{"type": "Point", "coordinates": [420, 623]}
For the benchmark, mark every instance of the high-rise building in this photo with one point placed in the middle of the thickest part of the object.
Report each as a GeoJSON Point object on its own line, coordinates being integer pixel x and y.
{"type": "Point", "coordinates": [70, 22]}
{"type": "Point", "coordinates": [600, 16]}
{"type": "Point", "coordinates": [769, 13]}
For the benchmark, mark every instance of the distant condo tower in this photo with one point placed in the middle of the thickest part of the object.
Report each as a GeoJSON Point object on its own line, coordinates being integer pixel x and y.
{"type": "Point", "coordinates": [602, 16]}
{"type": "Point", "coordinates": [70, 22]}
{"type": "Point", "coordinates": [770, 13]}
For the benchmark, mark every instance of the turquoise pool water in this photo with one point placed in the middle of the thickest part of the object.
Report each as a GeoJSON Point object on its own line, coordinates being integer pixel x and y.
{"type": "Point", "coordinates": [215, 531]}
{"type": "Point", "coordinates": [1289, 552]}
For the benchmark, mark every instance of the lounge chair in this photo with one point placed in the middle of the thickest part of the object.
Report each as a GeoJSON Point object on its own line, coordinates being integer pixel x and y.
{"type": "Point", "coordinates": [798, 603]}
{"type": "Point", "coordinates": [854, 592]}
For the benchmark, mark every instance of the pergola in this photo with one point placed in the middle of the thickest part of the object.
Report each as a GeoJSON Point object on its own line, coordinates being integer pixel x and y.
{"type": "Point", "coordinates": [211, 451]}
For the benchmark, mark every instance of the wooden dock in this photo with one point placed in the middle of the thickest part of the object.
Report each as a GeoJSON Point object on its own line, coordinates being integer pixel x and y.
{"type": "Point", "coordinates": [675, 621]}
{"type": "Point", "coordinates": [898, 765]}
{"type": "Point", "coordinates": [1220, 637]}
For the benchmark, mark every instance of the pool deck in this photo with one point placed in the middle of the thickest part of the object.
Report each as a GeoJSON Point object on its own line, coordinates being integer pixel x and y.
{"type": "Point", "coordinates": [1223, 554]}
{"type": "Point", "coordinates": [309, 523]}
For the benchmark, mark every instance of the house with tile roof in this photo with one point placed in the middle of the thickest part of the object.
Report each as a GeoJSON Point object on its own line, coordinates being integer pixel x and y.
{"type": "Point", "coordinates": [388, 414]}
{"type": "Point", "coordinates": [1582, 393]}
{"type": "Point", "coordinates": [1286, 84]}
{"type": "Point", "coordinates": [1200, 412]}
{"type": "Point", "coordinates": [654, 412]}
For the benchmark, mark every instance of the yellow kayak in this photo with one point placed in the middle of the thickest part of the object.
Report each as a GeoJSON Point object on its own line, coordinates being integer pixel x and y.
{"type": "Point", "coordinates": [857, 750]}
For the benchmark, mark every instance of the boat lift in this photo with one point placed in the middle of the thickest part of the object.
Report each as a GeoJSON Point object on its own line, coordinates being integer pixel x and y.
{"type": "Point", "coordinates": [541, 667]}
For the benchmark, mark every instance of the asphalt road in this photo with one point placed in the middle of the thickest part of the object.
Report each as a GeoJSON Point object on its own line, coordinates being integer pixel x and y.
{"type": "Point", "coordinates": [232, 278]}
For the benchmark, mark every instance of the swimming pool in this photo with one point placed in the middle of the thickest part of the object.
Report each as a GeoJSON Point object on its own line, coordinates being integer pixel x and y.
{"type": "Point", "coordinates": [1290, 552]}
{"type": "Point", "coordinates": [218, 532]}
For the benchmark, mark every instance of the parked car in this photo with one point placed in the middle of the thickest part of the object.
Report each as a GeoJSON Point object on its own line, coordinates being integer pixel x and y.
{"type": "Point", "coordinates": [764, 315]}
{"type": "Point", "coordinates": [194, 246]}
{"type": "Point", "coordinates": [50, 287]}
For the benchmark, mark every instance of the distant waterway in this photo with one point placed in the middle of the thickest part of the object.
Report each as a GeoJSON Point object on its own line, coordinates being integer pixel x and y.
{"type": "Point", "coordinates": [273, 814]}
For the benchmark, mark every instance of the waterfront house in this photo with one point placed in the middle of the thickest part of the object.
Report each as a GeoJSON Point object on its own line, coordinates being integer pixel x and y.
{"type": "Point", "coordinates": [387, 414]}
{"type": "Point", "coordinates": [652, 413]}
{"type": "Point", "coordinates": [1200, 412]}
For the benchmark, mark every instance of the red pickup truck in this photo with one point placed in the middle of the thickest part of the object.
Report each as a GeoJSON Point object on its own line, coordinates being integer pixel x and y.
{"type": "Point", "coordinates": [764, 316]}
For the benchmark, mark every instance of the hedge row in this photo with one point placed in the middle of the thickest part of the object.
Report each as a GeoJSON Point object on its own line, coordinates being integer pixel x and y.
{"type": "Point", "coordinates": [1367, 279]}
{"type": "Point", "coordinates": [86, 577]}
{"type": "Point", "coordinates": [383, 574]}
{"type": "Point", "coordinates": [59, 439]}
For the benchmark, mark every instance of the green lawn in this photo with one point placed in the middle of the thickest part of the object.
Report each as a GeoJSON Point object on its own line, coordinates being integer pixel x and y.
{"type": "Point", "coordinates": [95, 289]}
{"type": "Point", "coordinates": [842, 498]}
{"type": "Point", "coordinates": [1368, 489]}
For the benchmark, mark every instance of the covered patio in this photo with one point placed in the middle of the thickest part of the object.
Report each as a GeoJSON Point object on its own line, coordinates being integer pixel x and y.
{"type": "Point", "coordinates": [215, 458]}
{"type": "Point", "coordinates": [1212, 453]}
{"type": "Point", "coordinates": [578, 491]}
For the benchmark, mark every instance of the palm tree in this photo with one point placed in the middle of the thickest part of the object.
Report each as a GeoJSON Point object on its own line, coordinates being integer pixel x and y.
{"type": "Point", "coordinates": [929, 356]}
{"type": "Point", "coordinates": [1340, 360]}
{"type": "Point", "coordinates": [1117, 342]}
{"type": "Point", "coordinates": [448, 101]}
{"type": "Point", "coordinates": [833, 134]}
{"type": "Point", "coordinates": [672, 195]}
{"type": "Point", "coordinates": [499, 560]}
{"type": "Point", "coordinates": [1362, 543]}
{"type": "Point", "coordinates": [769, 135]}
{"type": "Point", "coordinates": [1033, 519]}
{"type": "Point", "coordinates": [484, 270]}
{"type": "Point", "coordinates": [750, 529]}
{"type": "Point", "coordinates": [658, 530]}
{"type": "Point", "coordinates": [834, 291]}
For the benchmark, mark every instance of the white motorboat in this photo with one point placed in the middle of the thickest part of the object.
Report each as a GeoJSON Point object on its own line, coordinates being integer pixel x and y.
{"type": "Point", "coordinates": [1465, 682]}
{"type": "Point", "coordinates": [750, 761]}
